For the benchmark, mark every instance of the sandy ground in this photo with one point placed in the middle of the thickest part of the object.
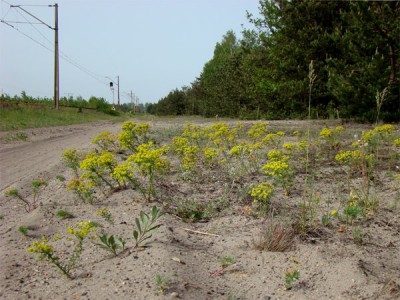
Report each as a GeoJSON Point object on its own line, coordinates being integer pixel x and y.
{"type": "Point", "coordinates": [188, 255]}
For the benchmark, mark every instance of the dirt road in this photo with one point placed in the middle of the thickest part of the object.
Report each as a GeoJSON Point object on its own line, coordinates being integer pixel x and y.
{"type": "Point", "coordinates": [39, 156]}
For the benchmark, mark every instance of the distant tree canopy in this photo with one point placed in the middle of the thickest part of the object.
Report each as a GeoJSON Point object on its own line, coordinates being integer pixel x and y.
{"type": "Point", "coordinates": [98, 103]}
{"type": "Point", "coordinates": [355, 51]}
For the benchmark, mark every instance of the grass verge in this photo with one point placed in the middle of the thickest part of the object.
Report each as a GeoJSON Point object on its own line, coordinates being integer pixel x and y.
{"type": "Point", "coordinates": [22, 117]}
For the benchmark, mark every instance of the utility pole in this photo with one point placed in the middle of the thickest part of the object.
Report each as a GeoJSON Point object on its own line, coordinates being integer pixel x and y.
{"type": "Point", "coordinates": [119, 105]}
{"type": "Point", "coordinates": [56, 60]}
{"type": "Point", "coordinates": [56, 55]}
{"type": "Point", "coordinates": [133, 106]}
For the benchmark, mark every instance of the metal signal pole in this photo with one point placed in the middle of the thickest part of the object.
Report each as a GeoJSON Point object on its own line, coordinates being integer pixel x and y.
{"type": "Point", "coordinates": [56, 61]}
{"type": "Point", "coordinates": [56, 55]}
{"type": "Point", "coordinates": [117, 84]}
{"type": "Point", "coordinates": [119, 105]}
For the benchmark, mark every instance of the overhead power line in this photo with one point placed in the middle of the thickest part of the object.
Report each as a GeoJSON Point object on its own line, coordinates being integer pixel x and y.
{"type": "Point", "coordinates": [64, 56]}
{"type": "Point", "coordinates": [60, 54]}
{"type": "Point", "coordinates": [56, 52]}
{"type": "Point", "coordinates": [26, 35]}
{"type": "Point", "coordinates": [18, 22]}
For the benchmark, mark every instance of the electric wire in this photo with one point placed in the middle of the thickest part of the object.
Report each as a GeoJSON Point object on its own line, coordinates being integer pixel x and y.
{"type": "Point", "coordinates": [6, 2]}
{"type": "Point", "coordinates": [34, 27]}
{"type": "Point", "coordinates": [36, 5]}
{"type": "Point", "coordinates": [62, 54]}
{"type": "Point", "coordinates": [29, 37]}
{"type": "Point", "coordinates": [18, 22]}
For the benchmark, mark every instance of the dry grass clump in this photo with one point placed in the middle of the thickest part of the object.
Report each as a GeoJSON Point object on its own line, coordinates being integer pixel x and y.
{"type": "Point", "coordinates": [275, 236]}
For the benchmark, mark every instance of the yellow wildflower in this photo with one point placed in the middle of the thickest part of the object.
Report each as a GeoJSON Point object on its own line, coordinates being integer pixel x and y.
{"type": "Point", "coordinates": [41, 247]}
{"type": "Point", "coordinates": [263, 191]}
{"type": "Point", "coordinates": [257, 130]}
{"type": "Point", "coordinates": [326, 133]}
{"type": "Point", "coordinates": [82, 229]}
{"type": "Point", "coordinates": [387, 128]}
{"type": "Point", "coordinates": [339, 128]}
{"type": "Point", "coordinates": [275, 168]}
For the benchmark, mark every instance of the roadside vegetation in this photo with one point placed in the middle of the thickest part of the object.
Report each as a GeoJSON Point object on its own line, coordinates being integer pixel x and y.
{"type": "Point", "coordinates": [21, 112]}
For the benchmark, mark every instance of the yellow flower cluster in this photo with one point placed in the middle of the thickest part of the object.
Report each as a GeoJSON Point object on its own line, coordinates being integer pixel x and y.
{"type": "Point", "coordinates": [131, 132]}
{"type": "Point", "coordinates": [326, 133]}
{"type": "Point", "coordinates": [128, 125]}
{"type": "Point", "coordinates": [81, 229]}
{"type": "Point", "coordinates": [258, 130]}
{"type": "Point", "coordinates": [83, 185]}
{"type": "Point", "coordinates": [239, 126]}
{"type": "Point", "coordinates": [386, 129]}
{"type": "Point", "coordinates": [347, 157]}
{"type": "Point", "coordinates": [90, 162]}
{"type": "Point", "coordinates": [297, 133]}
{"type": "Point", "coordinates": [396, 142]}
{"type": "Point", "coordinates": [273, 138]}
{"type": "Point", "coordinates": [263, 192]}
{"type": "Point", "coordinates": [207, 143]}
{"type": "Point", "coordinates": [106, 160]}
{"type": "Point", "coordinates": [220, 135]}
{"type": "Point", "coordinates": [123, 172]}
{"type": "Point", "coordinates": [352, 203]}
{"type": "Point", "coordinates": [276, 168]}
{"type": "Point", "coordinates": [125, 140]}
{"type": "Point", "coordinates": [303, 145]}
{"type": "Point", "coordinates": [105, 140]}
{"type": "Point", "coordinates": [72, 158]}
{"type": "Point", "coordinates": [57, 237]}
{"type": "Point", "coordinates": [188, 153]}
{"type": "Point", "coordinates": [289, 146]}
{"type": "Point", "coordinates": [190, 157]}
{"type": "Point", "coordinates": [41, 247]}
{"type": "Point", "coordinates": [240, 150]}
{"type": "Point", "coordinates": [179, 144]}
{"type": "Point", "coordinates": [95, 163]}
{"type": "Point", "coordinates": [150, 160]}
{"type": "Point", "coordinates": [329, 133]}
{"type": "Point", "coordinates": [210, 154]}
{"type": "Point", "coordinates": [218, 130]}
{"type": "Point", "coordinates": [339, 128]}
{"type": "Point", "coordinates": [276, 155]}
{"type": "Point", "coordinates": [193, 132]}
{"type": "Point", "coordinates": [137, 129]}
{"type": "Point", "coordinates": [105, 213]}
{"type": "Point", "coordinates": [279, 169]}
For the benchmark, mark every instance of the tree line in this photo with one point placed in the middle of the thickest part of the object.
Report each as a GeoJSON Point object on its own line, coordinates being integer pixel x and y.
{"type": "Point", "coordinates": [340, 59]}
{"type": "Point", "coordinates": [97, 103]}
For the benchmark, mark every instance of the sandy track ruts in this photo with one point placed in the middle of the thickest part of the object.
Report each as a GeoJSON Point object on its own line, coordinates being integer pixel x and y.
{"type": "Point", "coordinates": [22, 163]}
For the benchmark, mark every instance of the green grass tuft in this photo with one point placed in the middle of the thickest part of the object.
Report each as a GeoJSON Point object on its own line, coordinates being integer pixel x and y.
{"type": "Point", "coordinates": [22, 117]}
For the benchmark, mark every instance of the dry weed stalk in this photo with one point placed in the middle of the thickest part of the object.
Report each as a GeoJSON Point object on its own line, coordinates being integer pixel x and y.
{"type": "Point", "coordinates": [275, 236]}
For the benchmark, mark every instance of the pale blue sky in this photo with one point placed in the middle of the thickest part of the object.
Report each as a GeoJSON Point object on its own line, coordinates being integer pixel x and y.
{"type": "Point", "coordinates": [154, 46]}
